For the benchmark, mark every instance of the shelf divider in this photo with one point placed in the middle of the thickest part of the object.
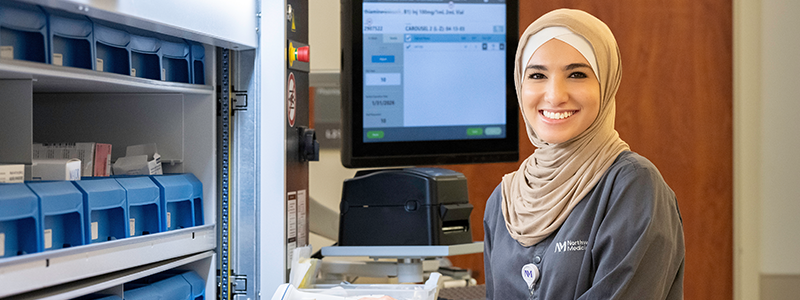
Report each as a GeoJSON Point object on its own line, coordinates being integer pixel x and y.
{"type": "Point", "coordinates": [59, 79]}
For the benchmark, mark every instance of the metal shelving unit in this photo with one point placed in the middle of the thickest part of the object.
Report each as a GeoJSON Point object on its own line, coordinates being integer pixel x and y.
{"type": "Point", "coordinates": [181, 117]}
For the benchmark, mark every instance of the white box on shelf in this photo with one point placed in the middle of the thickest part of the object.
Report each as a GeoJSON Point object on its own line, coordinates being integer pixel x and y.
{"type": "Point", "coordinates": [56, 169]}
{"type": "Point", "coordinates": [12, 173]}
{"type": "Point", "coordinates": [139, 160]}
{"type": "Point", "coordinates": [94, 157]}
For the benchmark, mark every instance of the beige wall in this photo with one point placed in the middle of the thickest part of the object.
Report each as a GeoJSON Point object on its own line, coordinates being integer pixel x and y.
{"type": "Point", "coordinates": [326, 175]}
{"type": "Point", "coordinates": [766, 166]}
{"type": "Point", "coordinates": [746, 132]}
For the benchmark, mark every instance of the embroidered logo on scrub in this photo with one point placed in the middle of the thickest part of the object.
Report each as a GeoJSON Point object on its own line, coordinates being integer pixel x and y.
{"type": "Point", "coordinates": [569, 245]}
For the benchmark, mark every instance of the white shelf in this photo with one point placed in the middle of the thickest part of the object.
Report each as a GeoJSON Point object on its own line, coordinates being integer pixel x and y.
{"type": "Point", "coordinates": [37, 271]}
{"type": "Point", "coordinates": [108, 281]}
{"type": "Point", "coordinates": [58, 79]}
{"type": "Point", "coordinates": [403, 251]}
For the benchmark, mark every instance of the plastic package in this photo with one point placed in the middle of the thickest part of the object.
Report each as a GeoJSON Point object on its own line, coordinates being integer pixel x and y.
{"type": "Point", "coordinates": [427, 291]}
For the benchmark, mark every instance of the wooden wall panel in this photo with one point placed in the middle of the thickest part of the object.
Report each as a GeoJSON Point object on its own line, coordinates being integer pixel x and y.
{"type": "Point", "coordinates": [674, 107]}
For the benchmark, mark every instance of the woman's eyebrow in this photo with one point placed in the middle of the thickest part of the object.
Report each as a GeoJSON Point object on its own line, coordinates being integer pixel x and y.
{"type": "Point", "coordinates": [576, 66]}
{"type": "Point", "coordinates": [536, 67]}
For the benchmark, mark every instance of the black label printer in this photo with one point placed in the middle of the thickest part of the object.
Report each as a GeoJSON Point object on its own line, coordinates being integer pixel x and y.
{"type": "Point", "coordinates": [400, 207]}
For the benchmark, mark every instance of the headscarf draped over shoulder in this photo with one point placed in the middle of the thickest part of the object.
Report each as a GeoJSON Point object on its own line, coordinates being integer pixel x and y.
{"type": "Point", "coordinates": [539, 196]}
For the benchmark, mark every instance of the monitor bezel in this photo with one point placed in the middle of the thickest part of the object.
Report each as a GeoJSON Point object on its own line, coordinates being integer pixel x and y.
{"type": "Point", "coordinates": [357, 154]}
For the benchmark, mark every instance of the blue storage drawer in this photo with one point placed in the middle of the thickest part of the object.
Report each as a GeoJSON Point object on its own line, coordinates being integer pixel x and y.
{"type": "Point", "coordinates": [198, 63]}
{"type": "Point", "coordinates": [174, 288]}
{"type": "Point", "coordinates": [197, 198]}
{"type": "Point", "coordinates": [111, 49]}
{"type": "Point", "coordinates": [20, 230]}
{"type": "Point", "coordinates": [23, 32]}
{"type": "Point", "coordinates": [197, 283]}
{"type": "Point", "coordinates": [177, 195]}
{"type": "Point", "coordinates": [105, 210]}
{"type": "Point", "coordinates": [144, 205]}
{"type": "Point", "coordinates": [175, 61]}
{"type": "Point", "coordinates": [136, 292]}
{"type": "Point", "coordinates": [71, 39]}
{"type": "Point", "coordinates": [61, 204]}
{"type": "Point", "coordinates": [98, 297]}
{"type": "Point", "coordinates": [145, 57]}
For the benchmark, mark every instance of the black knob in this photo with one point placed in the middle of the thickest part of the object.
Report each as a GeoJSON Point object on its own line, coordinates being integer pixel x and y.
{"type": "Point", "coordinates": [309, 146]}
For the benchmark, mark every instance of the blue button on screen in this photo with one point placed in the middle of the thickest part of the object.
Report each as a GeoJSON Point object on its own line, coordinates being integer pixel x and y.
{"type": "Point", "coordinates": [383, 58]}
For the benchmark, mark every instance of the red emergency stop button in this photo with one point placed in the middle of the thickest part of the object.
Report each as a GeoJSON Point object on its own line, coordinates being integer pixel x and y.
{"type": "Point", "coordinates": [298, 54]}
{"type": "Point", "coordinates": [302, 54]}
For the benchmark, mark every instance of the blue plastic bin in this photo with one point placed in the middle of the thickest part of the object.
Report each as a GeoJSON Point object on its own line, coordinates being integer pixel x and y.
{"type": "Point", "coordinates": [197, 198]}
{"type": "Point", "coordinates": [198, 63]}
{"type": "Point", "coordinates": [23, 32]}
{"type": "Point", "coordinates": [135, 292]}
{"type": "Point", "coordinates": [111, 49]}
{"type": "Point", "coordinates": [176, 193]}
{"type": "Point", "coordinates": [61, 205]}
{"type": "Point", "coordinates": [98, 297]}
{"type": "Point", "coordinates": [20, 230]}
{"type": "Point", "coordinates": [145, 62]}
{"type": "Point", "coordinates": [144, 205]}
{"type": "Point", "coordinates": [71, 38]}
{"type": "Point", "coordinates": [174, 287]}
{"type": "Point", "coordinates": [175, 61]}
{"type": "Point", "coordinates": [105, 210]}
{"type": "Point", "coordinates": [197, 284]}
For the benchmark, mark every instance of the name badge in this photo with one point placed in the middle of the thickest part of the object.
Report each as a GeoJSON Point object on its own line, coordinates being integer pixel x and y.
{"type": "Point", "coordinates": [530, 273]}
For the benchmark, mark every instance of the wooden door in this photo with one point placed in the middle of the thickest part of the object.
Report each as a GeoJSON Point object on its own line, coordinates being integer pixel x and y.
{"type": "Point", "coordinates": [674, 107]}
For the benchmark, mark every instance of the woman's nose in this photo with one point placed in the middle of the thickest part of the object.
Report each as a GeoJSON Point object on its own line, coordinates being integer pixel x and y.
{"type": "Point", "coordinates": [556, 92]}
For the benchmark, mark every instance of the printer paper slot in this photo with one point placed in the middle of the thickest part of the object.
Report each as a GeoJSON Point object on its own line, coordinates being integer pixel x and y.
{"type": "Point", "coordinates": [455, 226]}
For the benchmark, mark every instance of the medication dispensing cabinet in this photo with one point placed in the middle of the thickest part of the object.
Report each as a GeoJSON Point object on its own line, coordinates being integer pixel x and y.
{"type": "Point", "coordinates": [206, 81]}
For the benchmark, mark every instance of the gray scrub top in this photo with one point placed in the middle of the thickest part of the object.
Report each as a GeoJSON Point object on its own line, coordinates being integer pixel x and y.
{"type": "Point", "coordinates": [624, 240]}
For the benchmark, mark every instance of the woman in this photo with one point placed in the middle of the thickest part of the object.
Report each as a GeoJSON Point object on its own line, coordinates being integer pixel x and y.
{"type": "Point", "coordinates": [583, 217]}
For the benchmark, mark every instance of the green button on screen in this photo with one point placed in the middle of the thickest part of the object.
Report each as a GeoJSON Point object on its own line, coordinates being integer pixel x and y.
{"type": "Point", "coordinates": [475, 131]}
{"type": "Point", "coordinates": [375, 134]}
{"type": "Point", "coordinates": [493, 130]}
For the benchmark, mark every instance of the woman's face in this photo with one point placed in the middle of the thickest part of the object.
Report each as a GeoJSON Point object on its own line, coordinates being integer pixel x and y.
{"type": "Point", "coordinates": [560, 92]}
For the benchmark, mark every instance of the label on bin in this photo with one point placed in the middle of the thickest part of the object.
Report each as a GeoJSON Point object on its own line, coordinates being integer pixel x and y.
{"type": "Point", "coordinates": [2, 244]}
{"type": "Point", "coordinates": [48, 238]}
{"type": "Point", "coordinates": [7, 52]}
{"type": "Point", "coordinates": [99, 65]}
{"type": "Point", "coordinates": [95, 233]}
{"type": "Point", "coordinates": [168, 220]}
{"type": "Point", "coordinates": [163, 74]}
{"type": "Point", "coordinates": [133, 226]}
{"type": "Point", "coordinates": [58, 59]}
{"type": "Point", "coordinates": [133, 72]}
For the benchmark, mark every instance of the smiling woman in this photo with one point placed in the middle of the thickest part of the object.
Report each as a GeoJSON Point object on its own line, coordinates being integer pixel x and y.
{"type": "Point", "coordinates": [583, 217]}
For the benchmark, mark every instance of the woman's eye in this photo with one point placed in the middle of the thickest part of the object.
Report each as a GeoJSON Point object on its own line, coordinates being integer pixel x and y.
{"type": "Point", "coordinates": [536, 76]}
{"type": "Point", "coordinates": [578, 75]}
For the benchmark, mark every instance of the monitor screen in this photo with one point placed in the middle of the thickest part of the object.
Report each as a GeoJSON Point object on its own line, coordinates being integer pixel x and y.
{"type": "Point", "coordinates": [428, 82]}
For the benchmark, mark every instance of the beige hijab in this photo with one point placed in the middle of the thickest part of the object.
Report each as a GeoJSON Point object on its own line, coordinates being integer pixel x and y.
{"type": "Point", "coordinates": [539, 196]}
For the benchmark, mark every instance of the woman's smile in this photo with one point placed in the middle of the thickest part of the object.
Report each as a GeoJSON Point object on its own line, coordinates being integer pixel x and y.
{"type": "Point", "coordinates": [555, 115]}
